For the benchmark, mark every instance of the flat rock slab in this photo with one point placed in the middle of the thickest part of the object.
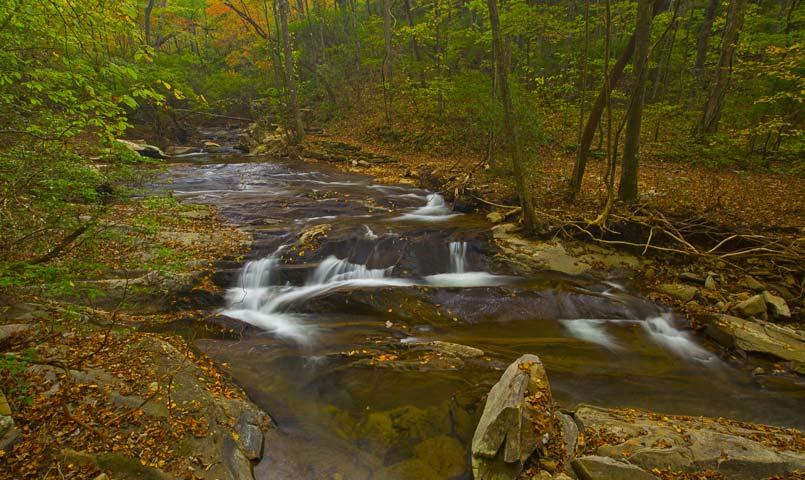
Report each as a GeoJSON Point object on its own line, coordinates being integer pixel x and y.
{"type": "Point", "coordinates": [738, 450]}
{"type": "Point", "coordinates": [593, 467]}
{"type": "Point", "coordinates": [757, 336]}
{"type": "Point", "coordinates": [13, 330]}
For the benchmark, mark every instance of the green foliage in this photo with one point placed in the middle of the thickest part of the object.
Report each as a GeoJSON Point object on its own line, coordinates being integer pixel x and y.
{"type": "Point", "coordinates": [12, 373]}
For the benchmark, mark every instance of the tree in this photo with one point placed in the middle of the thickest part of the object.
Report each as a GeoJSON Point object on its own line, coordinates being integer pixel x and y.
{"type": "Point", "coordinates": [711, 114]}
{"type": "Point", "coordinates": [290, 78]}
{"type": "Point", "coordinates": [627, 191]}
{"type": "Point", "coordinates": [386, 68]}
{"type": "Point", "coordinates": [509, 122]}
{"type": "Point", "coordinates": [703, 39]}
{"type": "Point", "coordinates": [594, 119]}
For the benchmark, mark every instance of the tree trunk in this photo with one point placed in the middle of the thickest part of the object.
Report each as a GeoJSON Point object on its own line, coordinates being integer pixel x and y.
{"type": "Point", "coordinates": [509, 122]}
{"type": "Point", "coordinates": [598, 108]}
{"type": "Point", "coordinates": [386, 68]}
{"type": "Point", "coordinates": [627, 191]}
{"type": "Point", "coordinates": [293, 101]}
{"type": "Point", "coordinates": [718, 90]}
{"type": "Point", "coordinates": [147, 21]}
{"type": "Point", "coordinates": [703, 39]}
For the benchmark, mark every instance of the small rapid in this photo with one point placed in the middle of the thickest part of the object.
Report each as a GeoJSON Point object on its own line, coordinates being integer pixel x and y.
{"type": "Point", "coordinates": [346, 341]}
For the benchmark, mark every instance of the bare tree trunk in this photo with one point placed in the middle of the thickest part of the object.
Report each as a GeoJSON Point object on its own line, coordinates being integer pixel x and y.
{"type": "Point", "coordinates": [627, 191]}
{"type": "Point", "coordinates": [509, 122]}
{"type": "Point", "coordinates": [386, 68]}
{"type": "Point", "coordinates": [293, 101]}
{"type": "Point", "coordinates": [598, 108]}
{"type": "Point", "coordinates": [703, 40]}
{"type": "Point", "coordinates": [718, 90]}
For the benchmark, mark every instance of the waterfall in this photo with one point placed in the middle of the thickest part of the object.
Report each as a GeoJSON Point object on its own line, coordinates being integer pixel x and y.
{"type": "Point", "coordinates": [436, 209]}
{"type": "Point", "coordinates": [257, 302]}
{"type": "Point", "coordinates": [459, 277]}
{"type": "Point", "coordinates": [458, 256]}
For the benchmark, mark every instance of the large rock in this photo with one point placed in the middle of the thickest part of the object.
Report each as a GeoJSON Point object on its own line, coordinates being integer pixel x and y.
{"type": "Point", "coordinates": [507, 433]}
{"type": "Point", "coordinates": [689, 444]}
{"type": "Point", "coordinates": [13, 330]}
{"type": "Point", "coordinates": [143, 149]}
{"type": "Point", "coordinates": [753, 306]}
{"type": "Point", "coordinates": [8, 432]}
{"type": "Point", "coordinates": [593, 467]}
{"type": "Point", "coordinates": [758, 337]}
{"type": "Point", "coordinates": [443, 454]}
{"type": "Point", "coordinates": [250, 435]}
{"type": "Point", "coordinates": [235, 461]}
{"type": "Point", "coordinates": [777, 306]}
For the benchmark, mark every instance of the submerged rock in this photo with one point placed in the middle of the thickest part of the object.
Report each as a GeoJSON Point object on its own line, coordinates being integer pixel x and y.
{"type": "Point", "coordinates": [443, 454]}
{"type": "Point", "coordinates": [508, 432]}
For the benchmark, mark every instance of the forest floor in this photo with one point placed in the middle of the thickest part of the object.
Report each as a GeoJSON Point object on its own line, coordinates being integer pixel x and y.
{"type": "Point", "coordinates": [92, 387]}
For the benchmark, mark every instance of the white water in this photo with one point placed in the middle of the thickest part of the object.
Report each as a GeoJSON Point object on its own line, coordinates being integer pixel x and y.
{"type": "Point", "coordinates": [459, 277]}
{"type": "Point", "coordinates": [257, 302]}
{"type": "Point", "coordinates": [434, 211]}
{"type": "Point", "coordinates": [659, 329]}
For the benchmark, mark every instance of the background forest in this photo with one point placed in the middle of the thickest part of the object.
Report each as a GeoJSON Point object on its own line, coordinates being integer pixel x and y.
{"type": "Point", "coordinates": [693, 82]}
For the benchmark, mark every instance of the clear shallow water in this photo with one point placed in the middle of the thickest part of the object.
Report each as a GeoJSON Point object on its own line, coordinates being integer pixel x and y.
{"type": "Point", "coordinates": [338, 350]}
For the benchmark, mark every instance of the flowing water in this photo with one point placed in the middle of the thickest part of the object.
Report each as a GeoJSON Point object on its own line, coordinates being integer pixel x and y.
{"type": "Point", "coordinates": [339, 345]}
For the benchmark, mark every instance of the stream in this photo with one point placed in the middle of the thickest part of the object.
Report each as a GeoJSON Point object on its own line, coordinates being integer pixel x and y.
{"type": "Point", "coordinates": [347, 343]}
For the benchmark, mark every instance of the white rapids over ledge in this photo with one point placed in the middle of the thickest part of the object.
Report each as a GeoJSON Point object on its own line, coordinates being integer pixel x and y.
{"type": "Point", "coordinates": [258, 300]}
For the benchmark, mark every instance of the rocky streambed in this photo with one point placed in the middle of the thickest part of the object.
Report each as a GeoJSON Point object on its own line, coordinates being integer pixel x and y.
{"type": "Point", "coordinates": [373, 320]}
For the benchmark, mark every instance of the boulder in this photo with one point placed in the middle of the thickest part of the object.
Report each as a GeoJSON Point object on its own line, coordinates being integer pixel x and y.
{"type": "Point", "coordinates": [8, 432]}
{"type": "Point", "coordinates": [710, 283]}
{"type": "Point", "coordinates": [678, 291]}
{"type": "Point", "coordinates": [777, 306]}
{"type": "Point", "coordinates": [235, 461]}
{"type": "Point", "coordinates": [508, 431]}
{"type": "Point", "coordinates": [443, 454]}
{"type": "Point", "coordinates": [758, 337]}
{"type": "Point", "coordinates": [13, 330]}
{"type": "Point", "coordinates": [753, 306]}
{"type": "Point", "coordinates": [408, 469]}
{"type": "Point", "coordinates": [570, 433]}
{"type": "Point", "coordinates": [143, 149]}
{"type": "Point", "coordinates": [593, 467]}
{"type": "Point", "coordinates": [250, 435]}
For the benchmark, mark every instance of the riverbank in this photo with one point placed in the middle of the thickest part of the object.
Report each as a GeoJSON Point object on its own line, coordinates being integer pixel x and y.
{"type": "Point", "coordinates": [712, 245]}
{"type": "Point", "coordinates": [92, 391]}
